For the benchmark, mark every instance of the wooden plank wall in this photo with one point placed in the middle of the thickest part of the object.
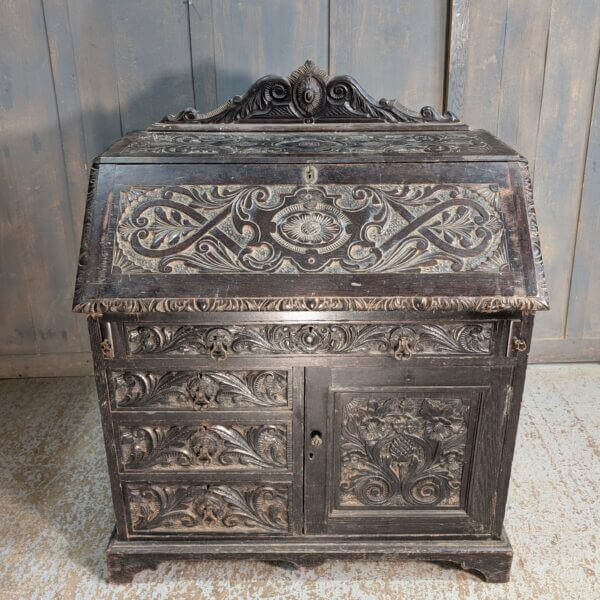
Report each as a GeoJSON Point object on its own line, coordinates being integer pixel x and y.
{"type": "Point", "coordinates": [75, 74]}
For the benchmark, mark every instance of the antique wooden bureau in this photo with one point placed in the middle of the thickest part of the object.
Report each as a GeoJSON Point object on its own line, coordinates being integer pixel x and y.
{"type": "Point", "coordinates": [310, 315]}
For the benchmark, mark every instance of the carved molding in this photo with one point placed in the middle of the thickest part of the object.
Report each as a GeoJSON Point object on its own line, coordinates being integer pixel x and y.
{"type": "Point", "coordinates": [399, 341]}
{"type": "Point", "coordinates": [402, 451]}
{"type": "Point", "coordinates": [281, 144]}
{"type": "Point", "coordinates": [206, 390]}
{"type": "Point", "coordinates": [319, 229]}
{"type": "Point", "coordinates": [480, 304]}
{"type": "Point", "coordinates": [203, 447]}
{"type": "Point", "coordinates": [207, 508]}
{"type": "Point", "coordinates": [534, 234]}
{"type": "Point", "coordinates": [308, 95]}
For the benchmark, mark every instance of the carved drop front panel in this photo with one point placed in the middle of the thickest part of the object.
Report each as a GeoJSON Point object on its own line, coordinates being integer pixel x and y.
{"type": "Point", "coordinates": [205, 446]}
{"type": "Point", "coordinates": [401, 449]}
{"type": "Point", "coordinates": [397, 340]}
{"type": "Point", "coordinates": [319, 229]}
{"type": "Point", "coordinates": [188, 509]}
{"type": "Point", "coordinates": [200, 390]}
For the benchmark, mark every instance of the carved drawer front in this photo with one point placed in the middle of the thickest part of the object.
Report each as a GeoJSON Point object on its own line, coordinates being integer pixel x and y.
{"type": "Point", "coordinates": [398, 340]}
{"type": "Point", "coordinates": [200, 390]}
{"type": "Point", "coordinates": [214, 447]}
{"type": "Point", "coordinates": [198, 509]}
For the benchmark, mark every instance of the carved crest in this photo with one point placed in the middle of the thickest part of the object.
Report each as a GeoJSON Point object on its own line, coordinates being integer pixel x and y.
{"type": "Point", "coordinates": [309, 95]}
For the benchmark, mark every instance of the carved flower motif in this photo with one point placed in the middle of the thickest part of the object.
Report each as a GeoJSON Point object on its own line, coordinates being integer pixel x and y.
{"type": "Point", "coordinates": [205, 445]}
{"type": "Point", "coordinates": [210, 509]}
{"type": "Point", "coordinates": [311, 228]}
{"type": "Point", "coordinates": [442, 418]}
{"type": "Point", "coordinates": [203, 390]}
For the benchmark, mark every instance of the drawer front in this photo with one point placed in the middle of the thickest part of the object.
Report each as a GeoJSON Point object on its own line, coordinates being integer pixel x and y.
{"type": "Point", "coordinates": [205, 446]}
{"type": "Point", "coordinates": [400, 340]}
{"type": "Point", "coordinates": [200, 390]}
{"type": "Point", "coordinates": [185, 509]}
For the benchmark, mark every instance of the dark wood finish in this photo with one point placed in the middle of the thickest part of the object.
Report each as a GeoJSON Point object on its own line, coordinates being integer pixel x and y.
{"type": "Point", "coordinates": [316, 358]}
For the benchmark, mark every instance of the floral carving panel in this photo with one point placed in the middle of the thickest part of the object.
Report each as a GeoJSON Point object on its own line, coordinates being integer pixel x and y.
{"type": "Point", "coordinates": [321, 229]}
{"type": "Point", "coordinates": [173, 508]}
{"type": "Point", "coordinates": [400, 341]}
{"type": "Point", "coordinates": [203, 446]}
{"type": "Point", "coordinates": [200, 390]}
{"type": "Point", "coordinates": [400, 450]}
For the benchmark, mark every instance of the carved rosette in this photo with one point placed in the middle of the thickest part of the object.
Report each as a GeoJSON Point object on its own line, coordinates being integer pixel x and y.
{"type": "Point", "coordinates": [166, 508]}
{"type": "Point", "coordinates": [309, 95]}
{"type": "Point", "coordinates": [206, 390]}
{"type": "Point", "coordinates": [402, 451]}
{"type": "Point", "coordinates": [328, 229]}
{"type": "Point", "coordinates": [203, 447]}
{"type": "Point", "coordinates": [399, 341]}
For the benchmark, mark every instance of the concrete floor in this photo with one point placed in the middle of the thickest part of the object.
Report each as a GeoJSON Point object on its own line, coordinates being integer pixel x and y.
{"type": "Point", "coordinates": [55, 510]}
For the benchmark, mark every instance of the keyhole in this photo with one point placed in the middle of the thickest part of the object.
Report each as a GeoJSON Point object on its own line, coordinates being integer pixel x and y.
{"type": "Point", "coordinates": [310, 175]}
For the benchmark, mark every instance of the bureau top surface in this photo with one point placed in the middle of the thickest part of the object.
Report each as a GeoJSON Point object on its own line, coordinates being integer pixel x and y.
{"type": "Point", "coordinates": [307, 194]}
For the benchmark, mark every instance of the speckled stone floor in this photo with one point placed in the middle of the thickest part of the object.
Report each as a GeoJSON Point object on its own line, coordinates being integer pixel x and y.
{"type": "Point", "coordinates": [55, 511]}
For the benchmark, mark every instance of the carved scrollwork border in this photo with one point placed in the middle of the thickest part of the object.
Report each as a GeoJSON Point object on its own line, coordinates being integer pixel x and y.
{"type": "Point", "coordinates": [485, 304]}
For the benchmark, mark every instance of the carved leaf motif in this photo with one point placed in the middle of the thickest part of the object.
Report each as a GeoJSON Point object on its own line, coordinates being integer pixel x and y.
{"type": "Point", "coordinates": [198, 508]}
{"type": "Point", "coordinates": [317, 338]}
{"type": "Point", "coordinates": [402, 451]}
{"type": "Point", "coordinates": [176, 447]}
{"type": "Point", "coordinates": [200, 391]}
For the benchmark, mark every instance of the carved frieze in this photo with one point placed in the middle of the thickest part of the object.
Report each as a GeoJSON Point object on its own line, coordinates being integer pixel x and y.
{"type": "Point", "coordinates": [322, 229]}
{"type": "Point", "coordinates": [194, 143]}
{"type": "Point", "coordinates": [399, 341]}
{"type": "Point", "coordinates": [188, 508]}
{"type": "Point", "coordinates": [205, 390]}
{"type": "Point", "coordinates": [398, 450]}
{"type": "Point", "coordinates": [206, 446]}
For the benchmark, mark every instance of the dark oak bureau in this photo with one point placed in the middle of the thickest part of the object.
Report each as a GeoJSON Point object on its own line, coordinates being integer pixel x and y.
{"type": "Point", "coordinates": [310, 314]}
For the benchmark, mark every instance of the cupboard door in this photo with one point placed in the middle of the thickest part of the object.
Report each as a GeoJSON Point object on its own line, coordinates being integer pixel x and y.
{"type": "Point", "coordinates": [403, 450]}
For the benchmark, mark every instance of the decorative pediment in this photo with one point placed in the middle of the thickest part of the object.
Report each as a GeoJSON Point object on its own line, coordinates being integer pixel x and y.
{"type": "Point", "coordinates": [308, 95]}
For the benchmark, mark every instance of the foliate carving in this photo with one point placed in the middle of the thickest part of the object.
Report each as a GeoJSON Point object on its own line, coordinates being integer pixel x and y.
{"type": "Point", "coordinates": [284, 229]}
{"type": "Point", "coordinates": [206, 390]}
{"type": "Point", "coordinates": [480, 304]}
{"type": "Point", "coordinates": [536, 247]}
{"type": "Point", "coordinates": [208, 508]}
{"type": "Point", "coordinates": [308, 95]}
{"type": "Point", "coordinates": [318, 338]}
{"type": "Point", "coordinates": [203, 446]}
{"type": "Point", "coordinates": [402, 451]}
{"type": "Point", "coordinates": [282, 144]}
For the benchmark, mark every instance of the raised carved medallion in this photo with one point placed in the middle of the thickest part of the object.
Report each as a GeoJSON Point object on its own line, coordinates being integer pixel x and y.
{"type": "Point", "coordinates": [206, 390]}
{"type": "Point", "coordinates": [308, 95]}
{"type": "Point", "coordinates": [206, 508]}
{"type": "Point", "coordinates": [402, 450]}
{"type": "Point", "coordinates": [328, 229]}
{"type": "Point", "coordinates": [399, 341]}
{"type": "Point", "coordinates": [203, 446]}
{"type": "Point", "coordinates": [282, 144]}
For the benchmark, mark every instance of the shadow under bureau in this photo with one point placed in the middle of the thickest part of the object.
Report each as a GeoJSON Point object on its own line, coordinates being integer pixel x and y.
{"type": "Point", "coordinates": [310, 315]}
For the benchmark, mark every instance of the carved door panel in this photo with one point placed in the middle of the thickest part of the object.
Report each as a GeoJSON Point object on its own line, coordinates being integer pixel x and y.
{"type": "Point", "coordinates": [404, 450]}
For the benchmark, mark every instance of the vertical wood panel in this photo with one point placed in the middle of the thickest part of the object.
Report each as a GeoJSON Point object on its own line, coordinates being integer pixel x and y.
{"type": "Point", "coordinates": [456, 61]}
{"type": "Point", "coordinates": [396, 49]}
{"type": "Point", "coordinates": [257, 37]}
{"type": "Point", "coordinates": [202, 42]}
{"type": "Point", "coordinates": [152, 48]}
{"type": "Point", "coordinates": [584, 303]}
{"type": "Point", "coordinates": [33, 191]}
{"type": "Point", "coordinates": [572, 57]}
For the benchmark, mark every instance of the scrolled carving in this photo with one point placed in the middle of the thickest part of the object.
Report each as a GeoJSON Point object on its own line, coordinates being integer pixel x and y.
{"type": "Point", "coordinates": [317, 338]}
{"type": "Point", "coordinates": [309, 95]}
{"type": "Point", "coordinates": [206, 390]}
{"type": "Point", "coordinates": [402, 451]}
{"type": "Point", "coordinates": [204, 447]}
{"type": "Point", "coordinates": [206, 508]}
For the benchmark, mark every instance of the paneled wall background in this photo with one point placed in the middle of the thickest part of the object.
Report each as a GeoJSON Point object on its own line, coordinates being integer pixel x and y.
{"type": "Point", "coordinates": [76, 74]}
